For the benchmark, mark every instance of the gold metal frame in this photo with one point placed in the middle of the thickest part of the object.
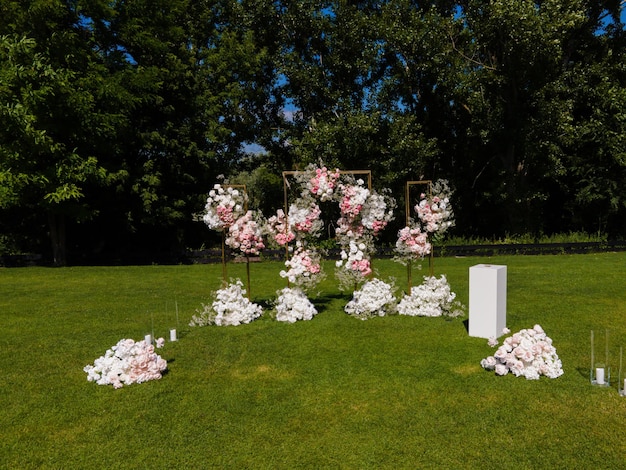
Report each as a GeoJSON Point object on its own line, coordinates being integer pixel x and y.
{"type": "Point", "coordinates": [224, 268]}
{"type": "Point", "coordinates": [407, 204]}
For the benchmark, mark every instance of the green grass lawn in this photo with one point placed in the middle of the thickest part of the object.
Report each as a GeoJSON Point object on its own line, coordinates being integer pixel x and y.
{"type": "Point", "coordinates": [334, 392]}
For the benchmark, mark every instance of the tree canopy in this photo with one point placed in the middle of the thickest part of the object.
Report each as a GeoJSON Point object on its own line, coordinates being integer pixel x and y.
{"type": "Point", "coordinates": [119, 116]}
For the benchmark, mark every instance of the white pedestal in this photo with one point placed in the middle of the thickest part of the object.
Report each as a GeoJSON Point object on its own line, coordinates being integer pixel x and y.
{"type": "Point", "coordinates": [487, 300]}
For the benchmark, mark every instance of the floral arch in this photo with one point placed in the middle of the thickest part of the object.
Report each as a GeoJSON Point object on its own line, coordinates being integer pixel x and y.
{"type": "Point", "coordinates": [363, 214]}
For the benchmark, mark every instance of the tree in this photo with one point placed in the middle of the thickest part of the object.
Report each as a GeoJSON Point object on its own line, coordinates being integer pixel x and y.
{"type": "Point", "coordinates": [45, 157]}
{"type": "Point", "coordinates": [202, 89]}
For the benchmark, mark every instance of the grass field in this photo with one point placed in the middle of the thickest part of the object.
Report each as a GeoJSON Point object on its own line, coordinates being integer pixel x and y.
{"type": "Point", "coordinates": [334, 392]}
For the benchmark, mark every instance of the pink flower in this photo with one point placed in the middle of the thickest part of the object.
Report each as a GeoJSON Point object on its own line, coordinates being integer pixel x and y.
{"type": "Point", "coordinates": [412, 242]}
{"type": "Point", "coordinates": [245, 235]}
{"type": "Point", "coordinates": [362, 266]}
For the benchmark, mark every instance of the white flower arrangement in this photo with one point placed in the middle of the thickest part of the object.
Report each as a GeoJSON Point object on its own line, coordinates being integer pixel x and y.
{"type": "Point", "coordinates": [126, 363]}
{"type": "Point", "coordinates": [230, 308]}
{"type": "Point", "coordinates": [292, 305]}
{"type": "Point", "coordinates": [374, 299]}
{"type": "Point", "coordinates": [223, 207]}
{"type": "Point", "coordinates": [377, 212]}
{"type": "Point", "coordinates": [528, 353]}
{"type": "Point", "coordinates": [433, 298]}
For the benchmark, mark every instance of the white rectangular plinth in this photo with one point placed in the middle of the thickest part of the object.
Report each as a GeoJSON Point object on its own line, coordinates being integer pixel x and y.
{"type": "Point", "coordinates": [487, 300]}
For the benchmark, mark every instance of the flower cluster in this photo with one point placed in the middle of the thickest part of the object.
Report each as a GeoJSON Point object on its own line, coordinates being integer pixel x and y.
{"type": "Point", "coordinates": [304, 267]}
{"type": "Point", "coordinates": [435, 212]}
{"type": "Point", "coordinates": [305, 220]}
{"type": "Point", "coordinates": [245, 235]}
{"type": "Point", "coordinates": [126, 363]}
{"type": "Point", "coordinates": [528, 353]}
{"type": "Point", "coordinates": [293, 305]}
{"type": "Point", "coordinates": [411, 244]}
{"type": "Point", "coordinates": [377, 212]}
{"type": "Point", "coordinates": [230, 307]}
{"type": "Point", "coordinates": [374, 299]}
{"type": "Point", "coordinates": [433, 298]}
{"type": "Point", "coordinates": [354, 265]}
{"type": "Point", "coordinates": [364, 214]}
{"type": "Point", "coordinates": [353, 198]}
{"type": "Point", "coordinates": [223, 207]}
{"type": "Point", "coordinates": [322, 184]}
{"type": "Point", "coordinates": [277, 226]}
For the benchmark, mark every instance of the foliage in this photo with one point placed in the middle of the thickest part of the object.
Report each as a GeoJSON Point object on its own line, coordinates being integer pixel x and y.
{"type": "Point", "coordinates": [119, 116]}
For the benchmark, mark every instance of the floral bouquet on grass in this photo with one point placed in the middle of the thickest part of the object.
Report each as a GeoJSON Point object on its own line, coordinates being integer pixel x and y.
{"type": "Point", "coordinates": [528, 353]}
{"type": "Point", "coordinates": [292, 305]}
{"type": "Point", "coordinates": [374, 299]}
{"type": "Point", "coordinates": [230, 307]}
{"type": "Point", "coordinates": [433, 298]}
{"type": "Point", "coordinates": [126, 363]}
{"type": "Point", "coordinates": [223, 207]}
{"type": "Point", "coordinates": [245, 235]}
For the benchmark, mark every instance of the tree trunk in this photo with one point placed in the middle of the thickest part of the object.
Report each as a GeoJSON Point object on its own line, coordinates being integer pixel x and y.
{"type": "Point", "coordinates": [57, 237]}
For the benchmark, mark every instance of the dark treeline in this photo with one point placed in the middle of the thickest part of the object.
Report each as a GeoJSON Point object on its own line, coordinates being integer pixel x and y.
{"type": "Point", "coordinates": [118, 116]}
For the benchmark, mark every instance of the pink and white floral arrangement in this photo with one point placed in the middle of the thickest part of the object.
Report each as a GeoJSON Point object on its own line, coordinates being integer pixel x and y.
{"type": "Point", "coordinates": [126, 363]}
{"type": "Point", "coordinates": [231, 307]}
{"type": "Point", "coordinates": [412, 244]}
{"type": "Point", "coordinates": [364, 214]}
{"type": "Point", "coordinates": [279, 229]}
{"type": "Point", "coordinates": [245, 235]}
{"type": "Point", "coordinates": [528, 353]}
{"type": "Point", "coordinates": [434, 211]}
{"type": "Point", "coordinates": [321, 182]}
{"type": "Point", "coordinates": [377, 212]}
{"type": "Point", "coordinates": [434, 218]}
{"type": "Point", "coordinates": [305, 268]}
{"type": "Point", "coordinates": [225, 204]}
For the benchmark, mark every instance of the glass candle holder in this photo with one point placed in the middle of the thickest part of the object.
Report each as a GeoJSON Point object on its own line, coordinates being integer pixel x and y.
{"type": "Point", "coordinates": [621, 386]}
{"type": "Point", "coordinates": [600, 372]}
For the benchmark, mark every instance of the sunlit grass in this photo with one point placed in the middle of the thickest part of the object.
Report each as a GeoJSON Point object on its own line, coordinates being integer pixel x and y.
{"type": "Point", "coordinates": [334, 392]}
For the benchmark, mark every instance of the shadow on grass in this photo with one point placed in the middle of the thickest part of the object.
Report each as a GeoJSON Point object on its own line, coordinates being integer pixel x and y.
{"type": "Point", "coordinates": [323, 302]}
